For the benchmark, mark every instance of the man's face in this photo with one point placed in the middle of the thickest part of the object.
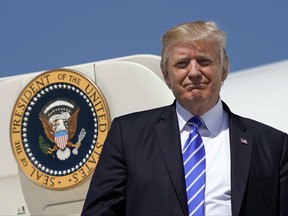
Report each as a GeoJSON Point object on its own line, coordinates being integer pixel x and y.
{"type": "Point", "coordinates": [195, 73]}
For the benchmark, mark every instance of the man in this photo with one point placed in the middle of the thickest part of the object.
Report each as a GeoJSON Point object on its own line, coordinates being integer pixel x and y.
{"type": "Point", "coordinates": [142, 168]}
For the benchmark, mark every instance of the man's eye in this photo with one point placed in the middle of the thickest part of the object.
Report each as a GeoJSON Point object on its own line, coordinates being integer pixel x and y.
{"type": "Point", "coordinates": [204, 62]}
{"type": "Point", "coordinates": [182, 64]}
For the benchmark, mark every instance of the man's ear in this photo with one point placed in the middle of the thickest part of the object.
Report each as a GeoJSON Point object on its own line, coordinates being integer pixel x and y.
{"type": "Point", "coordinates": [166, 78]}
{"type": "Point", "coordinates": [225, 66]}
{"type": "Point", "coordinates": [225, 71]}
{"type": "Point", "coordinates": [224, 74]}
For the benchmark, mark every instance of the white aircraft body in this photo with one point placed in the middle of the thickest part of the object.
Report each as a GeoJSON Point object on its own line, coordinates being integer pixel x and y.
{"type": "Point", "coordinates": [129, 84]}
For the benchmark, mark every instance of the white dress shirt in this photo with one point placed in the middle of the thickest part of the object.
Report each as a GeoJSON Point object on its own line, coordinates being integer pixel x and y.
{"type": "Point", "coordinates": [215, 135]}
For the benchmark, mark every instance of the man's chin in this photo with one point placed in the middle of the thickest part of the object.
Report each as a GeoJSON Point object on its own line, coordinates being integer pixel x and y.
{"type": "Point", "coordinates": [194, 97]}
{"type": "Point", "coordinates": [196, 93]}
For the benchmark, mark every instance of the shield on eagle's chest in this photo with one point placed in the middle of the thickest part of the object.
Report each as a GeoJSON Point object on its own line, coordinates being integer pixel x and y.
{"type": "Point", "coordinates": [61, 138]}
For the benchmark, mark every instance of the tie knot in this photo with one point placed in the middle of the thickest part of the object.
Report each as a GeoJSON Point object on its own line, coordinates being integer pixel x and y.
{"type": "Point", "coordinates": [197, 121]}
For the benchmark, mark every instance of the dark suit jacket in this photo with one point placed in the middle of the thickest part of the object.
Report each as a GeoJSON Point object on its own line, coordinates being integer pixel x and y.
{"type": "Point", "coordinates": [140, 170]}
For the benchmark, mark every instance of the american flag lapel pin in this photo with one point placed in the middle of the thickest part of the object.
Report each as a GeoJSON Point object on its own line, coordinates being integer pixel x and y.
{"type": "Point", "coordinates": [244, 141]}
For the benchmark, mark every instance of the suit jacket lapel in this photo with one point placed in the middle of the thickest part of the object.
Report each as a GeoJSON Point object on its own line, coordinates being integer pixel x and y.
{"type": "Point", "coordinates": [169, 139]}
{"type": "Point", "coordinates": [241, 144]}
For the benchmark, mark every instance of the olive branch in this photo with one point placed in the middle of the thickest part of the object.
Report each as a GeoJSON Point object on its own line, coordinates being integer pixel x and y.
{"type": "Point", "coordinates": [43, 145]}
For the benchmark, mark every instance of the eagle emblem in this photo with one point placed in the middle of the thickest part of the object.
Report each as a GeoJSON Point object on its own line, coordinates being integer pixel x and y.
{"type": "Point", "coordinates": [59, 120]}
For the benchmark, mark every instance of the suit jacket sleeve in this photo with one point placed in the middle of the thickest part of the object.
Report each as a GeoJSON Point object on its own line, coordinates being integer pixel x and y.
{"type": "Point", "coordinates": [284, 180]}
{"type": "Point", "coordinates": [106, 195]}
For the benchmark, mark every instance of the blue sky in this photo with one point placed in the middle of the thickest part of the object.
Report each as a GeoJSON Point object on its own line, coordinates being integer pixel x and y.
{"type": "Point", "coordinates": [43, 35]}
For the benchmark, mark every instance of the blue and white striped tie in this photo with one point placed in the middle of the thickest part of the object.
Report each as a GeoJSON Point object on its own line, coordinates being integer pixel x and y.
{"type": "Point", "coordinates": [195, 169]}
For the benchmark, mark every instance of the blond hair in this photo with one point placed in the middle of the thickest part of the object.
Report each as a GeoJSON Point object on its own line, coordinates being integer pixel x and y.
{"type": "Point", "coordinates": [193, 31]}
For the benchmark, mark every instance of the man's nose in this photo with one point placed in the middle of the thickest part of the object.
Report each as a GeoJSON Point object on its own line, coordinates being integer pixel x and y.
{"type": "Point", "coordinates": [193, 69]}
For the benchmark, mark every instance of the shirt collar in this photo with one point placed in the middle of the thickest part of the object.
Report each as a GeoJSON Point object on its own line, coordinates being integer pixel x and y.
{"type": "Point", "coordinates": [212, 119]}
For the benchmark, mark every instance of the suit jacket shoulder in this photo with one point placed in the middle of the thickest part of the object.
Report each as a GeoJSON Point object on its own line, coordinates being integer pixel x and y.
{"type": "Point", "coordinates": [145, 119]}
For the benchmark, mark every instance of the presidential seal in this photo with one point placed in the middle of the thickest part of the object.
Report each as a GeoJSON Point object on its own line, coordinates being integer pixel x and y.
{"type": "Point", "coordinates": [58, 127]}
